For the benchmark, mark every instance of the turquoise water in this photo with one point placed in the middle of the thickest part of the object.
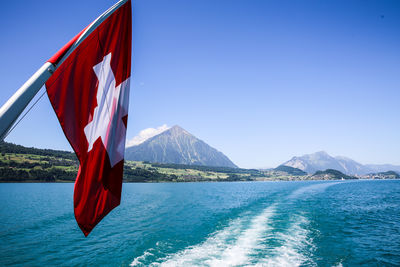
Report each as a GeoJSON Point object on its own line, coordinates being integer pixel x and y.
{"type": "Point", "coordinates": [208, 224]}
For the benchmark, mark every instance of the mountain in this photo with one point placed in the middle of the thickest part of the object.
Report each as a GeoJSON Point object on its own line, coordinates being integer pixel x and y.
{"type": "Point", "coordinates": [351, 167]}
{"type": "Point", "coordinates": [178, 146]}
{"type": "Point", "coordinates": [315, 162]}
{"type": "Point", "coordinates": [320, 161]}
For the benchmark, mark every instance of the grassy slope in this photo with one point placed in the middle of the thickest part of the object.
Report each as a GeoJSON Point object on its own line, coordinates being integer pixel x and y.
{"type": "Point", "coordinates": [22, 164]}
{"type": "Point", "coordinates": [16, 167]}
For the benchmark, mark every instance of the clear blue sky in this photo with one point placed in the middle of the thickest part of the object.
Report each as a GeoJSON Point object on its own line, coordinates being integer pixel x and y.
{"type": "Point", "coordinates": [261, 81]}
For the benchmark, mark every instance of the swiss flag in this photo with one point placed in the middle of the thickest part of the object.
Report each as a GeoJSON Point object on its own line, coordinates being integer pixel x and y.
{"type": "Point", "coordinates": [89, 92]}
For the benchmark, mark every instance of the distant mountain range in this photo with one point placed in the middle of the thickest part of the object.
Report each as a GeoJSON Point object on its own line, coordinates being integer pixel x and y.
{"type": "Point", "coordinates": [321, 161]}
{"type": "Point", "coordinates": [178, 146]}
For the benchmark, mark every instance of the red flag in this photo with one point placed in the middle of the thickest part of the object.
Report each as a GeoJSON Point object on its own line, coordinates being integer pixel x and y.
{"type": "Point", "coordinates": [89, 92]}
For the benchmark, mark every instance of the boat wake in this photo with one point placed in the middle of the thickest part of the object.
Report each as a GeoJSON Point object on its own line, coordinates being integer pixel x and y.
{"type": "Point", "coordinates": [230, 246]}
{"type": "Point", "coordinates": [253, 240]}
{"type": "Point", "coordinates": [295, 248]}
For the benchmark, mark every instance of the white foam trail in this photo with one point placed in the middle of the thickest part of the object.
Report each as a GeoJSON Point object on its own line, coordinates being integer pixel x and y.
{"type": "Point", "coordinates": [239, 243]}
{"type": "Point", "coordinates": [211, 247]}
{"type": "Point", "coordinates": [250, 240]}
{"type": "Point", "coordinates": [315, 188]}
{"type": "Point", "coordinates": [297, 246]}
{"type": "Point", "coordinates": [230, 246]}
{"type": "Point", "coordinates": [291, 253]}
{"type": "Point", "coordinates": [138, 260]}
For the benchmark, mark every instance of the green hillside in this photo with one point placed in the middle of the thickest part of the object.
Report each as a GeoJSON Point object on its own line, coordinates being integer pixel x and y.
{"type": "Point", "coordinates": [331, 174]}
{"type": "Point", "coordinates": [23, 164]}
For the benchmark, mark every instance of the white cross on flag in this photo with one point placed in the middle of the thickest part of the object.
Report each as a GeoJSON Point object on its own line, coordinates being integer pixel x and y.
{"type": "Point", "coordinates": [109, 112]}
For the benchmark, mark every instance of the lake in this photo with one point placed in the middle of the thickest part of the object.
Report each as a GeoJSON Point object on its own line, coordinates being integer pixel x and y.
{"type": "Point", "coordinates": [315, 223]}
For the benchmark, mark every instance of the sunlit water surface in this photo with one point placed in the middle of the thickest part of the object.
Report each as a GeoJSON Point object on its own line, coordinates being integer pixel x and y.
{"type": "Point", "coordinates": [317, 223]}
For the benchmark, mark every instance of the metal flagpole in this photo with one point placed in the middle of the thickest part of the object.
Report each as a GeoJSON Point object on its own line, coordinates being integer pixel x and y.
{"type": "Point", "coordinates": [11, 110]}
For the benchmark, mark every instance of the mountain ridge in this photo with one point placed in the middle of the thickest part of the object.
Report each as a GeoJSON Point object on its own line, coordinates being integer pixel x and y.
{"type": "Point", "coordinates": [320, 161]}
{"type": "Point", "coordinates": [178, 146]}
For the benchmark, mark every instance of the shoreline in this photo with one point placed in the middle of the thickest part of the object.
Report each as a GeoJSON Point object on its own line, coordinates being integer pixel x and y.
{"type": "Point", "coordinates": [172, 182]}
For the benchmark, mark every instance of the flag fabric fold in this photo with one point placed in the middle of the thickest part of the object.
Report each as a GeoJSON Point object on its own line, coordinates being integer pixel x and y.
{"type": "Point", "coordinates": [89, 93]}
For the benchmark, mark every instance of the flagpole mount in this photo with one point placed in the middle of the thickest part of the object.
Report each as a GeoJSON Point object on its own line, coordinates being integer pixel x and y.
{"type": "Point", "coordinates": [11, 110]}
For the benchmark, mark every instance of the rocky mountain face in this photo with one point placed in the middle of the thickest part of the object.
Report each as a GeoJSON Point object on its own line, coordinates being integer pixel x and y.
{"type": "Point", "coordinates": [178, 146]}
{"type": "Point", "coordinates": [311, 163]}
{"type": "Point", "coordinates": [321, 161]}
